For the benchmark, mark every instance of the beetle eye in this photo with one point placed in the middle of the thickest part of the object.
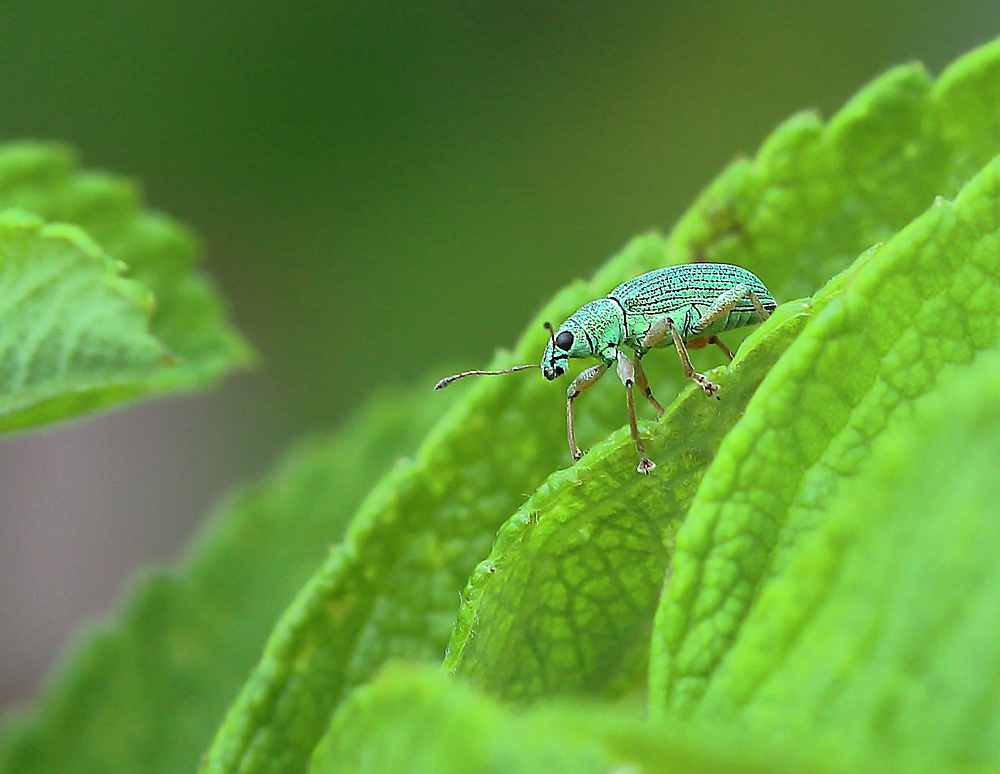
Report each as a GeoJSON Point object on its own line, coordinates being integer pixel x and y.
{"type": "Point", "coordinates": [564, 341]}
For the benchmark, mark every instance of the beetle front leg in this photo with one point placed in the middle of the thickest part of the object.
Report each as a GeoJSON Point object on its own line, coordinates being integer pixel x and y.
{"type": "Point", "coordinates": [656, 334]}
{"type": "Point", "coordinates": [585, 380]}
{"type": "Point", "coordinates": [628, 371]}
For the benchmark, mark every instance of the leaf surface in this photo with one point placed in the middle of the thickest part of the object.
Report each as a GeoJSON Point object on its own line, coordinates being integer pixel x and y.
{"type": "Point", "coordinates": [73, 331]}
{"type": "Point", "coordinates": [414, 721]}
{"type": "Point", "coordinates": [814, 198]}
{"type": "Point", "coordinates": [922, 304]}
{"type": "Point", "coordinates": [60, 346]}
{"type": "Point", "coordinates": [144, 691]}
{"type": "Point", "coordinates": [881, 634]}
{"type": "Point", "coordinates": [564, 603]}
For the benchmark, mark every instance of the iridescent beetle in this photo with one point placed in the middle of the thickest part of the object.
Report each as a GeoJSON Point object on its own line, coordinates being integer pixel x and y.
{"type": "Point", "coordinates": [683, 306]}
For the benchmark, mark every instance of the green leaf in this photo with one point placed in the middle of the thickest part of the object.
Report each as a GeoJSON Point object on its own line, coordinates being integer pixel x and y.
{"type": "Point", "coordinates": [924, 301]}
{"type": "Point", "coordinates": [414, 721]}
{"type": "Point", "coordinates": [73, 332]}
{"type": "Point", "coordinates": [144, 692]}
{"type": "Point", "coordinates": [816, 195]}
{"type": "Point", "coordinates": [392, 587]}
{"type": "Point", "coordinates": [181, 309]}
{"type": "Point", "coordinates": [814, 198]}
{"type": "Point", "coordinates": [882, 631]}
{"type": "Point", "coordinates": [564, 604]}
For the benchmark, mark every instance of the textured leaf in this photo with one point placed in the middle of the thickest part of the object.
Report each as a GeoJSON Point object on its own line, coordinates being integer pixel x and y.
{"type": "Point", "coordinates": [926, 300]}
{"type": "Point", "coordinates": [814, 198]}
{"type": "Point", "coordinates": [564, 604]}
{"type": "Point", "coordinates": [144, 693]}
{"type": "Point", "coordinates": [73, 332]}
{"type": "Point", "coordinates": [882, 633]}
{"type": "Point", "coordinates": [185, 316]}
{"type": "Point", "coordinates": [392, 588]}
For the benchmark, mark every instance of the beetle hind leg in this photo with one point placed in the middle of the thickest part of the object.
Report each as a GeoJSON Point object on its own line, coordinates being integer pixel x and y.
{"type": "Point", "coordinates": [704, 341]}
{"type": "Point", "coordinates": [658, 331]}
{"type": "Point", "coordinates": [724, 304]}
{"type": "Point", "coordinates": [711, 388]}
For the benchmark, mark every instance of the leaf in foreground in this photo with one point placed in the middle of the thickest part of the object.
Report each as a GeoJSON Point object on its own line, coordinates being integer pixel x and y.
{"type": "Point", "coordinates": [814, 198]}
{"type": "Point", "coordinates": [143, 693]}
{"type": "Point", "coordinates": [414, 721]}
{"type": "Point", "coordinates": [882, 633]}
{"type": "Point", "coordinates": [924, 302]}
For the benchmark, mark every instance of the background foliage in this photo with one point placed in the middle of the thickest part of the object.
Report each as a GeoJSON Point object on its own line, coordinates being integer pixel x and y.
{"type": "Point", "coordinates": [361, 172]}
{"type": "Point", "coordinates": [388, 590]}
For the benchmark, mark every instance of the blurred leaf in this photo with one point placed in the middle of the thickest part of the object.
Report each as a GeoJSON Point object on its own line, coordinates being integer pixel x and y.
{"type": "Point", "coordinates": [882, 632]}
{"type": "Point", "coordinates": [813, 199]}
{"type": "Point", "coordinates": [417, 721]}
{"type": "Point", "coordinates": [73, 333]}
{"type": "Point", "coordinates": [187, 316]}
{"type": "Point", "coordinates": [412, 720]}
{"type": "Point", "coordinates": [144, 693]}
{"type": "Point", "coordinates": [565, 601]}
{"type": "Point", "coordinates": [924, 301]}
{"type": "Point", "coordinates": [815, 195]}
{"type": "Point", "coordinates": [143, 697]}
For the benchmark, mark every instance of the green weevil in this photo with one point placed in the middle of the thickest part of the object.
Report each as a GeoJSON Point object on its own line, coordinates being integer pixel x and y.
{"type": "Point", "coordinates": [684, 306]}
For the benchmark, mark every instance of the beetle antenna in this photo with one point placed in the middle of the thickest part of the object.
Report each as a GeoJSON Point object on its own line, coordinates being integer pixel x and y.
{"type": "Point", "coordinates": [449, 379]}
{"type": "Point", "coordinates": [552, 333]}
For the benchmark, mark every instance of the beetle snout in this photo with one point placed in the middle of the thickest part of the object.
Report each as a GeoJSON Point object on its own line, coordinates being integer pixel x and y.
{"type": "Point", "coordinates": [553, 371]}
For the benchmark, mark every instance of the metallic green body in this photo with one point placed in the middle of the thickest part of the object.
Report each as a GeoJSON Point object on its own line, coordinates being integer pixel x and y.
{"type": "Point", "coordinates": [682, 306]}
{"type": "Point", "coordinates": [684, 293]}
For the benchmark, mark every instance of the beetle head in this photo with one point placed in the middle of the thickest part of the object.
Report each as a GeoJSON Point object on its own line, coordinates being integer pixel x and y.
{"type": "Point", "coordinates": [563, 344]}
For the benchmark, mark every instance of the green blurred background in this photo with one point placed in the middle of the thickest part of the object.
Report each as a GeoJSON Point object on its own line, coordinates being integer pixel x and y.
{"type": "Point", "coordinates": [385, 191]}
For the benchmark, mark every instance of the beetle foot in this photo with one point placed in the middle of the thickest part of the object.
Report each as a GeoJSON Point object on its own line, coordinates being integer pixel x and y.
{"type": "Point", "coordinates": [711, 388]}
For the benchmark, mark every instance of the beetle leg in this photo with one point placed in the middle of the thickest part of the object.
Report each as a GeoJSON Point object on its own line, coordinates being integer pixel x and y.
{"type": "Point", "coordinates": [710, 388]}
{"type": "Point", "coordinates": [726, 302]}
{"type": "Point", "coordinates": [585, 380]}
{"type": "Point", "coordinates": [704, 341]}
{"type": "Point", "coordinates": [658, 331]}
{"type": "Point", "coordinates": [762, 313]}
{"type": "Point", "coordinates": [643, 384]}
{"type": "Point", "coordinates": [628, 370]}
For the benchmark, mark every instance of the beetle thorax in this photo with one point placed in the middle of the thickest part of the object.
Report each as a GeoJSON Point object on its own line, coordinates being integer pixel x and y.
{"type": "Point", "coordinates": [602, 323]}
